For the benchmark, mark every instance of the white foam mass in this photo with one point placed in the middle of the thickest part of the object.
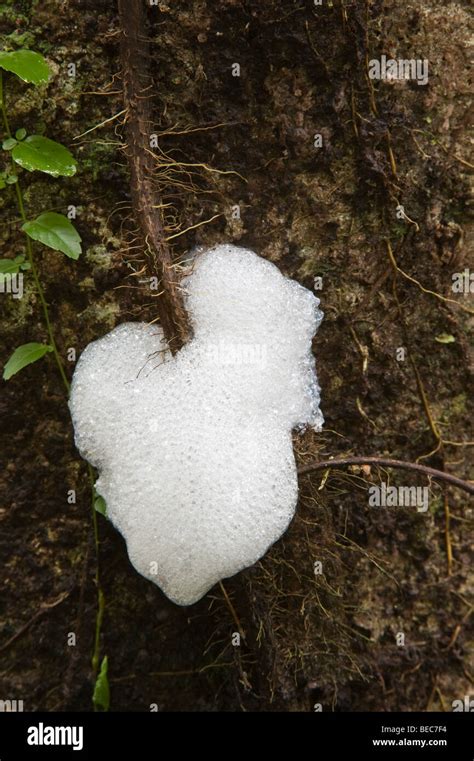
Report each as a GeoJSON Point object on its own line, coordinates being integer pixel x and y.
{"type": "Point", "coordinates": [195, 451]}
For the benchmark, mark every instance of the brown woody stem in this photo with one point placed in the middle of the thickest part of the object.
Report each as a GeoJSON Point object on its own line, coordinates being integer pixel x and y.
{"type": "Point", "coordinates": [142, 163]}
{"type": "Point", "coordinates": [388, 463]}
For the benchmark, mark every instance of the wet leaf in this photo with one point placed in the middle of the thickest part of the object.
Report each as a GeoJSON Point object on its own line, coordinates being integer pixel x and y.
{"type": "Point", "coordinates": [9, 143]}
{"type": "Point", "coordinates": [45, 155]}
{"type": "Point", "coordinates": [26, 64]}
{"type": "Point", "coordinates": [99, 505]}
{"type": "Point", "coordinates": [9, 266]}
{"type": "Point", "coordinates": [56, 232]}
{"type": "Point", "coordinates": [23, 356]}
{"type": "Point", "coordinates": [101, 696]}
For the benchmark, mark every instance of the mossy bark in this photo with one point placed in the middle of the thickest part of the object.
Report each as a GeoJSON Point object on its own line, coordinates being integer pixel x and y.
{"type": "Point", "coordinates": [324, 610]}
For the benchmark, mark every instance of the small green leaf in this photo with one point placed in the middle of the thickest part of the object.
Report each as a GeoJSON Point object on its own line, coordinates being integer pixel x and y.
{"type": "Point", "coordinates": [9, 143]}
{"type": "Point", "coordinates": [10, 179]}
{"type": "Point", "coordinates": [101, 696]}
{"type": "Point", "coordinates": [20, 133]}
{"type": "Point", "coordinates": [37, 152]}
{"type": "Point", "coordinates": [9, 266]}
{"type": "Point", "coordinates": [26, 64]}
{"type": "Point", "coordinates": [12, 266]}
{"type": "Point", "coordinates": [56, 232]}
{"type": "Point", "coordinates": [23, 356]}
{"type": "Point", "coordinates": [100, 506]}
{"type": "Point", "coordinates": [3, 184]}
{"type": "Point", "coordinates": [445, 338]}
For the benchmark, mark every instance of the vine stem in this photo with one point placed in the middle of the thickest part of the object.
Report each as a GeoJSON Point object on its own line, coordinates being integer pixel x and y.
{"type": "Point", "coordinates": [387, 462]}
{"type": "Point", "coordinates": [146, 201]}
{"type": "Point", "coordinates": [29, 251]}
{"type": "Point", "coordinates": [59, 363]}
{"type": "Point", "coordinates": [100, 594]}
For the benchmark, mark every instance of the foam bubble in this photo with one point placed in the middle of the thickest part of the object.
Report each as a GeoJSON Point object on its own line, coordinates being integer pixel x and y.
{"type": "Point", "coordinates": [194, 451]}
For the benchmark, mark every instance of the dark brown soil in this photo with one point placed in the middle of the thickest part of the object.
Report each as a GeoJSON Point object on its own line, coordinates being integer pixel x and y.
{"type": "Point", "coordinates": [329, 638]}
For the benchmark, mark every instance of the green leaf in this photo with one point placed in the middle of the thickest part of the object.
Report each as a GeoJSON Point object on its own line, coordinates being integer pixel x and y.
{"type": "Point", "coordinates": [3, 184]}
{"type": "Point", "coordinates": [445, 338]}
{"type": "Point", "coordinates": [100, 506]}
{"type": "Point", "coordinates": [56, 232]}
{"type": "Point", "coordinates": [23, 356]}
{"type": "Point", "coordinates": [101, 696]}
{"type": "Point", "coordinates": [37, 152]}
{"type": "Point", "coordinates": [9, 143]}
{"type": "Point", "coordinates": [20, 133]}
{"type": "Point", "coordinates": [9, 266]}
{"type": "Point", "coordinates": [29, 66]}
{"type": "Point", "coordinates": [10, 179]}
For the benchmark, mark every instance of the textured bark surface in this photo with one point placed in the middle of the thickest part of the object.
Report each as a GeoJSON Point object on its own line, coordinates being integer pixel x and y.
{"type": "Point", "coordinates": [137, 94]}
{"type": "Point", "coordinates": [240, 151]}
